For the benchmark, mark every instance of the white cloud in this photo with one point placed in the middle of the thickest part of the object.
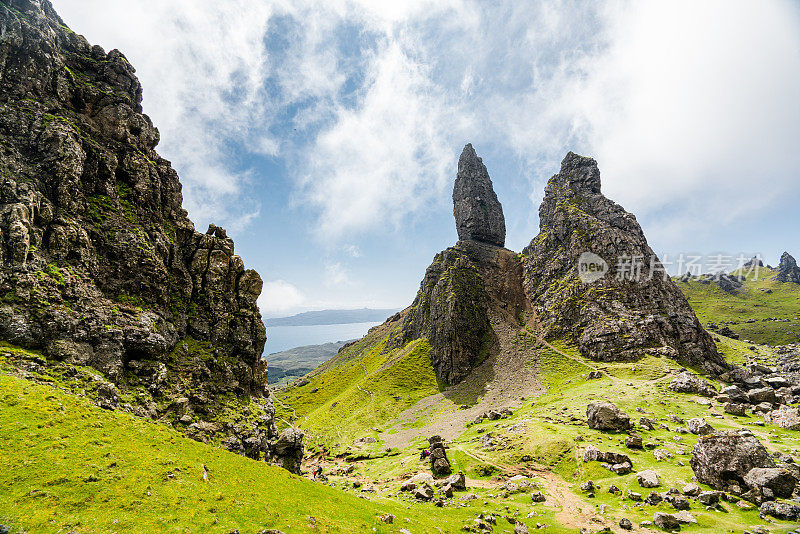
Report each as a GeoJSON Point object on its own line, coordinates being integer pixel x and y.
{"type": "Point", "coordinates": [388, 157]}
{"type": "Point", "coordinates": [685, 105]}
{"type": "Point", "coordinates": [279, 296]}
{"type": "Point", "coordinates": [336, 275]}
{"type": "Point", "coordinates": [694, 106]}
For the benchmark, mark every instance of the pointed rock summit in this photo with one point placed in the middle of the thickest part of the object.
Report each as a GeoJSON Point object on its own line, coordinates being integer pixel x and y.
{"type": "Point", "coordinates": [788, 271]}
{"type": "Point", "coordinates": [593, 279]}
{"type": "Point", "coordinates": [478, 213]}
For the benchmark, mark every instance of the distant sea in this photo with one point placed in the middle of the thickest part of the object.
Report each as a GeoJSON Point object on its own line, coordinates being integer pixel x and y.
{"type": "Point", "coordinates": [288, 337]}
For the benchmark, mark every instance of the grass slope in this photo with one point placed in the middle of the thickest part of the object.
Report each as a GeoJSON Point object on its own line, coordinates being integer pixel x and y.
{"type": "Point", "coordinates": [752, 303]}
{"type": "Point", "coordinates": [357, 392]}
{"type": "Point", "coordinates": [69, 466]}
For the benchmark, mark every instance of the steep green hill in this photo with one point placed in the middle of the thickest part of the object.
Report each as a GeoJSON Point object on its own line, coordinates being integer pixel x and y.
{"type": "Point", "coordinates": [359, 390]}
{"type": "Point", "coordinates": [762, 311]}
{"type": "Point", "coordinates": [69, 466]}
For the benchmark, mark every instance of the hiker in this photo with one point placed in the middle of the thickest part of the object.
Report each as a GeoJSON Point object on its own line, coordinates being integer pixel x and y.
{"type": "Point", "coordinates": [424, 454]}
{"type": "Point", "coordinates": [317, 472]}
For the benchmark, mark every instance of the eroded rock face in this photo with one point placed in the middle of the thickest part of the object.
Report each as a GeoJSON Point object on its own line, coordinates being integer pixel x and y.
{"type": "Point", "coordinates": [99, 264]}
{"type": "Point", "coordinates": [613, 312]}
{"type": "Point", "coordinates": [478, 213]}
{"type": "Point", "coordinates": [463, 285]}
{"type": "Point", "coordinates": [788, 271]}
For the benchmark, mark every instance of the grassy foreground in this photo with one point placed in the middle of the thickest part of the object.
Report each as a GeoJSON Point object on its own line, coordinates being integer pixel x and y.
{"type": "Point", "coordinates": [68, 466]}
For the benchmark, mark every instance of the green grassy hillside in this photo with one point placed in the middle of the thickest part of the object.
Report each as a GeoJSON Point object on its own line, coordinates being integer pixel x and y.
{"type": "Point", "coordinates": [69, 466]}
{"type": "Point", "coordinates": [363, 387]}
{"type": "Point", "coordinates": [752, 311]}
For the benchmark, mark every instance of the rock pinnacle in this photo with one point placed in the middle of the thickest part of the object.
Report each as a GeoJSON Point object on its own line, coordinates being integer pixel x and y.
{"type": "Point", "coordinates": [478, 213]}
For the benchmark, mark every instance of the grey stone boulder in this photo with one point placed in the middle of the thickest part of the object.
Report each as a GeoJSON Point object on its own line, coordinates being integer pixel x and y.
{"type": "Point", "coordinates": [648, 479]}
{"type": "Point", "coordinates": [780, 510]}
{"type": "Point", "coordinates": [666, 521]}
{"type": "Point", "coordinates": [424, 493]}
{"type": "Point", "coordinates": [708, 498]}
{"type": "Point", "coordinates": [699, 426]}
{"type": "Point", "coordinates": [688, 382]}
{"type": "Point", "coordinates": [780, 482]}
{"type": "Point", "coordinates": [604, 415]}
{"type": "Point", "coordinates": [478, 213]}
{"type": "Point", "coordinates": [735, 394]}
{"type": "Point", "coordinates": [756, 396]}
{"type": "Point", "coordinates": [725, 457]}
{"type": "Point", "coordinates": [787, 417]}
{"type": "Point", "coordinates": [457, 481]}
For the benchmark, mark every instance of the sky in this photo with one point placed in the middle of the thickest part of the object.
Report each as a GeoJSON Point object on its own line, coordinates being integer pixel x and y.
{"type": "Point", "coordinates": [324, 135]}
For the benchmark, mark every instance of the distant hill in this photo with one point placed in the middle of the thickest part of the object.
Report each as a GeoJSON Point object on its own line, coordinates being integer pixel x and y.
{"type": "Point", "coordinates": [761, 311]}
{"type": "Point", "coordinates": [323, 317]}
{"type": "Point", "coordinates": [287, 365]}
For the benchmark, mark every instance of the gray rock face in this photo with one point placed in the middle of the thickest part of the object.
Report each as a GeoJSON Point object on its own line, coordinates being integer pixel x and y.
{"type": "Point", "coordinates": [723, 458]}
{"type": "Point", "coordinates": [788, 271]}
{"type": "Point", "coordinates": [453, 305]}
{"type": "Point", "coordinates": [288, 450]}
{"type": "Point", "coordinates": [606, 416]}
{"type": "Point", "coordinates": [632, 308]}
{"type": "Point", "coordinates": [478, 213]}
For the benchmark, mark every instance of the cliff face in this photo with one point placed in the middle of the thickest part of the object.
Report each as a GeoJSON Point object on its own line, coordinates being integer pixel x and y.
{"type": "Point", "coordinates": [99, 264]}
{"type": "Point", "coordinates": [621, 312]}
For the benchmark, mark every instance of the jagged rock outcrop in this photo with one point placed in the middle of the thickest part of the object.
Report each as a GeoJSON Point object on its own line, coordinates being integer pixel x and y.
{"type": "Point", "coordinates": [478, 213]}
{"type": "Point", "coordinates": [594, 280]}
{"type": "Point", "coordinates": [469, 283]}
{"type": "Point", "coordinates": [788, 271]}
{"type": "Point", "coordinates": [99, 264]}
{"type": "Point", "coordinates": [462, 288]}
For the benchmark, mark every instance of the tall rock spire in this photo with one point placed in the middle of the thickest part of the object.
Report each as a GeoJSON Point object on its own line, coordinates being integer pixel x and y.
{"type": "Point", "coordinates": [478, 213]}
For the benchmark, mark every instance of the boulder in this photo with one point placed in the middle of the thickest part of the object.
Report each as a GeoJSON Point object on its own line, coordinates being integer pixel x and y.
{"type": "Point", "coordinates": [604, 415]}
{"type": "Point", "coordinates": [648, 479]}
{"type": "Point", "coordinates": [700, 426]}
{"type": "Point", "coordinates": [780, 482]}
{"type": "Point", "coordinates": [786, 417]}
{"type": "Point", "coordinates": [666, 521]}
{"type": "Point", "coordinates": [424, 493]}
{"type": "Point", "coordinates": [735, 408]}
{"type": "Point", "coordinates": [688, 382]}
{"type": "Point", "coordinates": [457, 481]}
{"type": "Point", "coordinates": [766, 394]}
{"type": "Point", "coordinates": [725, 457]}
{"type": "Point", "coordinates": [288, 450]}
{"type": "Point", "coordinates": [708, 498]}
{"type": "Point", "coordinates": [780, 510]}
{"type": "Point", "coordinates": [734, 394]}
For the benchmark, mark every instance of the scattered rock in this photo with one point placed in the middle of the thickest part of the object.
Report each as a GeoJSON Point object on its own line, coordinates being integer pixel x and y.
{"type": "Point", "coordinates": [604, 415]}
{"type": "Point", "coordinates": [723, 457]}
{"type": "Point", "coordinates": [688, 382]}
{"type": "Point", "coordinates": [700, 426]}
{"type": "Point", "coordinates": [648, 479]}
{"type": "Point", "coordinates": [780, 482]}
{"type": "Point", "coordinates": [666, 521]}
